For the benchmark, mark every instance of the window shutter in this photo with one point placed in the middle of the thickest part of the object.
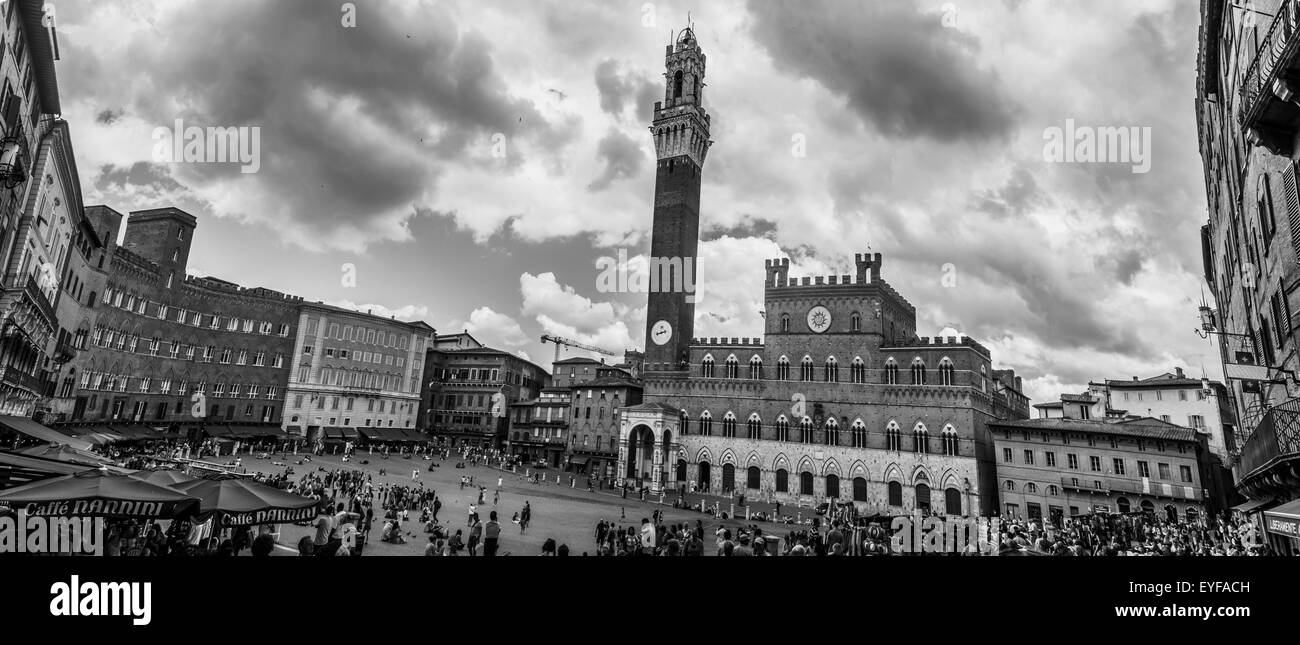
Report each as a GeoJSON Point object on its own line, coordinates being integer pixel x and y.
{"type": "Point", "coordinates": [1292, 206]}
{"type": "Point", "coordinates": [1285, 326]}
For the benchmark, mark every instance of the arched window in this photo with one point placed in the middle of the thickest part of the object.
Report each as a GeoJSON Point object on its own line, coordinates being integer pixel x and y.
{"type": "Point", "coordinates": [782, 481]}
{"type": "Point", "coordinates": [855, 322]}
{"type": "Point", "coordinates": [923, 497]}
{"type": "Point", "coordinates": [785, 323]}
{"type": "Point", "coordinates": [921, 439]}
{"type": "Point", "coordinates": [805, 483]}
{"type": "Point", "coordinates": [832, 370]}
{"type": "Point", "coordinates": [832, 432]}
{"type": "Point", "coordinates": [783, 369]}
{"type": "Point", "coordinates": [1031, 488]}
{"type": "Point", "coordinates": [684, 424]}
{"type": "Point", "coordinates": [1054, 491]}
{"type": "Point", "coordinates": [918, 371]}
{"type": "Point", "coordinates": [859, 434]}
{"type": "Point", "coordinates": [806, 369]}
{"type": "Point", "coordinates": [1009, 485]}
{"type": "Point", "coordinates": [756, 368]}
{"type": "Point", "coordinates": [806, 431]}
{"type": "Point", "coordinates": [832, 487]}
{"type": "Point", "coordinates": [782, 429]}
{"type": "Point", "coordinates": [729, 425]}
{"type": "Point", "coordinates": [677, 85]}
{"type": "Point", "coordinates": [947, 374]}
{"type": "Point", "coordinates": [893, 437]}
{"type": "Point", "coordinates": [952, 502]}
{"type": "Point", "coordinates": [752, 478]}
{"type": "Point", "coordinates": [755, 426]}
{"type": "Point", "coordinates": [1148, 507]}
{"type": "Point", "coordinates": [706, 423]}
{"type": "Point", "coordinates": [706, 367]}
{"type": "Point", "coordinates": [1123, 504]}
{"type": "Point", "coordinates": [895, 494]}
{"type": "Point", "coordinates": [859, 489]}
{"type": "Point", "coordinates": [950, 441]}
{"type": "Point", "coordinates": [732, 367]}
{"type": "Point", "coordinates": [891, 372]}
{"type": "Point", "coordinates": [858, 370]}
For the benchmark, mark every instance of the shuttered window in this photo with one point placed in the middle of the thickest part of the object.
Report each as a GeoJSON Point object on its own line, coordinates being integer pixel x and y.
{"type": "Point", "coordinates": [1292, 195]}
{"type": "Point", "coordinates": [1284, 323]}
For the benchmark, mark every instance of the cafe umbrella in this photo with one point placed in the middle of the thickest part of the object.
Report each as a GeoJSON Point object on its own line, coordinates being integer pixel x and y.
{"type": "Point", "coordinates": [243, 502]}
{"type": "Point", "coordinates": [96, 493]}
{"type": "Point", "coordinates": [60, 452]}
{"type": "Point", "coordinates": [164, 477]}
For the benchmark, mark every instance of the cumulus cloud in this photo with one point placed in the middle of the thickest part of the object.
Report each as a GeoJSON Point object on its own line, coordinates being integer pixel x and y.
{"type": "Point", "coordinates": [622, 156]}
{"type": "Point", "coordinates": [898, 67]}
{"type": "Point", "coordinates": [560, 310]}
{"type": "Point", "coordinates": [495, 329]}
{"type": "Point", "coordinates": [354, 136]}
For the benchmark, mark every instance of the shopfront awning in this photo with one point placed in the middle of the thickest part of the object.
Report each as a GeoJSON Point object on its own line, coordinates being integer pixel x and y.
{"type": "Point", "coordinates": [133, 433]}
{"type": "Point", "coordinates": [1251, 506]}
{"type": "Point", "coordinates": [257, 432]}
{"type": "Point", "coordinates": [1284, 520]}
{"type": "Point", "coordinates": [219, 431]}
{"type": "Point", "coordinates": [578, 461]}
{"type": "Point", "coordinates": [332, 432]}
{"type": "Point", "coordinates": [25, 426]}
{"type": "Point", "coordinates": [350, 434]}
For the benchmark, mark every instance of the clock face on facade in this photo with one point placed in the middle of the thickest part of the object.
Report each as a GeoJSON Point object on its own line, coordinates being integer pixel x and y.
{"type": "Point", "coordinates": [661, 333]}
{"type": "Point", "coordinates": [819, 319]}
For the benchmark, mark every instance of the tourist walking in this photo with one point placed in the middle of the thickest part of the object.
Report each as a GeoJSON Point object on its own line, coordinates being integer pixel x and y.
{"type": "Point", "coordinates": [475, 534]}
{"type": "Point", "coordinates": [491, 533]}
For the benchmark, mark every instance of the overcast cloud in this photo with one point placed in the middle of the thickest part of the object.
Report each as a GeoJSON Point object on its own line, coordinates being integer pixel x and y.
{"type": "Point", "coordinates": [473, 160]}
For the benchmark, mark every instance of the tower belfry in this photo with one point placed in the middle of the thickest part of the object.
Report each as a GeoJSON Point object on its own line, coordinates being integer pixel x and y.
{"type": "Point", "coordinates": [681, 135]}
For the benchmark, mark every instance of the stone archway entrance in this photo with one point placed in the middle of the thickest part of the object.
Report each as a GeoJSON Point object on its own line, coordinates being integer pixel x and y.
{"type": "Point", "coordinates": [704, 483]}
{"type": "Point", "coordinates": [647, 445]}
{"type": "Point", "coordinates": [640, 455]}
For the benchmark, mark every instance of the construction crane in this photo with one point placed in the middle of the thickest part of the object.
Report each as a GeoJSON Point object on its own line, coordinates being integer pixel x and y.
{"type": "Point", "coordinates": [569, 343]}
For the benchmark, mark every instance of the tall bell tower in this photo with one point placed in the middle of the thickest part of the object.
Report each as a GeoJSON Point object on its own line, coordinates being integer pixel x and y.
{"type": "Point", "coordinates": [681, 135]}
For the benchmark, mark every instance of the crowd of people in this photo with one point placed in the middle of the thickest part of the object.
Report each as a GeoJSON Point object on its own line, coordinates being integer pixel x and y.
{"type": "Point", "coordinates": [350, 500]}
{"type": "Point", "coordinates": [1095, 535]}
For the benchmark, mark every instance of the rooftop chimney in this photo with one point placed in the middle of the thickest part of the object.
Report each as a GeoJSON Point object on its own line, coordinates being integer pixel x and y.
{"type": "Point", "coordinates": [1179, 372]}
{"type": "Point", "coordinates": [1135, 378]}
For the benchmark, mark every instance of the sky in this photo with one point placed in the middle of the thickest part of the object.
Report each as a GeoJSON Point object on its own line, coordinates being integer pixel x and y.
{"type": "Point", "coordinates": [469, 163]}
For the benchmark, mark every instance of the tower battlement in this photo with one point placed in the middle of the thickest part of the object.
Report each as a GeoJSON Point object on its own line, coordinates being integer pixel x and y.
{"type": "Point", "coordinates": [868, 272]}
{"type": "Point", "coordinates": [940, 341]}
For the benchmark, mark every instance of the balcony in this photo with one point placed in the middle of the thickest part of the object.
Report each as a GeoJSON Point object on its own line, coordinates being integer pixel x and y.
{"type": "Point", "coordinates": [24, 298]}
{"type": "Point", "coordinates": [65, 351]}
{"type": "Point", "coordinates": [19, 379]}
{"type": "Point", "coordinates": [1268, 109]}
{"type": "Point", "coordinates": [1087, 484]}
{"type": "Point", "coordinates": [1276, 438]}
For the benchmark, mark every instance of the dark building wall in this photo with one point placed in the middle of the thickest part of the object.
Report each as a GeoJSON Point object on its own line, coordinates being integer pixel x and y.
{"type": "Point", "coordinates": [456, 397]}
{"type": "Point", "coordinates": [192, 319]}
